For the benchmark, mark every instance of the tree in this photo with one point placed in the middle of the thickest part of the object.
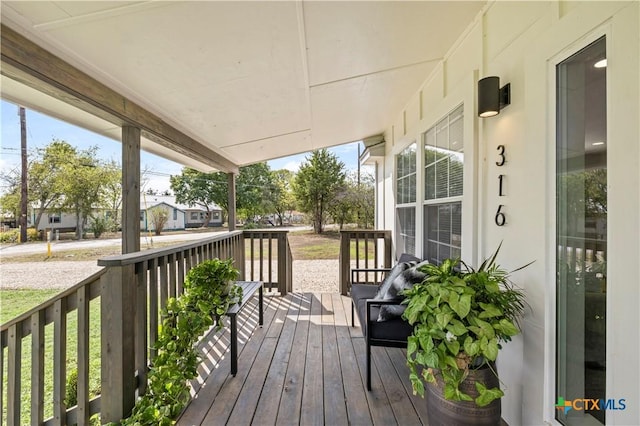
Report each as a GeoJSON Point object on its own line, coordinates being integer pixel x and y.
{"type": "Point", "coordinates": [195, 188]}
{"type": "Point", "coordinates": [44, 176]}
{"type": "Point", "coordinates": [283, 198]}
{"type": "Point", "coordinates": [319, 179]}
{"type": "Point", "coordinates": [82, 181]}
{"type": "Point", "coordinates": [365, 200]}
{"type": "Point", "coordinates": [354, 202]}
{"type": "Point", "coordinates": [255, 189]}
{"type": "Point", "coordinates": [343, 205]}
{"type": "Point", "coordinates": [10, 204]}
{"type": "Point", "coordinates": [159, 218]}
{"type": "Point", "coordinates": [113, 194]}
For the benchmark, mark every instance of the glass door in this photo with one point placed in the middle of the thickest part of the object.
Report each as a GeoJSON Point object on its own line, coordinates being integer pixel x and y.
{"type": "Point", "coordinates": [581, 235]}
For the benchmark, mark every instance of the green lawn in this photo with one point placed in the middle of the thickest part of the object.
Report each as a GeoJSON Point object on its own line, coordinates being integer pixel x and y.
{"type": "Point", "coordinates": [15, 302]}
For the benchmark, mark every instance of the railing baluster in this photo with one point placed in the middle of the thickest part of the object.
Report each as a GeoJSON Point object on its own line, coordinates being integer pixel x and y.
{"type": "Point", "coordinates": [59, 361]}
{"type": "Point", "coordinates": [252, 257]}
{"type": "Point", "coordinates": [153, 306]}
{"type": "Point", "coordinates": [366, 255]}
{"type": "Point", "coordinates": [271, 261]}
{"type": "Point", "coordinates": [2, 346]}
{"type": "Point", "coordinates": [172, 275]}
{"type": "Point", "coordinates": [261, 240]}
{"type": "Point", "coordinates": [181, 273]}
{"type": "Point", "coordinates": [14, 371]}
{"type": "Point", "coordinates": [141, 348]}
{"type": "Point", "coordinates": [83, 356]}
{"type": "Point", "coordinates": [164, 282]}
{"type": "Point", "coordinates": [37, 367]}
{"type": "Point", "coordinates": [188, 260]}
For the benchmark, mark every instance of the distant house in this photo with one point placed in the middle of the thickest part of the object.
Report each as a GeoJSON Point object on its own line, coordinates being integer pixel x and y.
{"type": "Point", "coordinates": [180, 216]}
{"type": "Point", "coordinates": [193, 216]}
{"type": "Point", "coordinates": [175, 217]}
{"type": "Point", "coordinates": [58, 221]}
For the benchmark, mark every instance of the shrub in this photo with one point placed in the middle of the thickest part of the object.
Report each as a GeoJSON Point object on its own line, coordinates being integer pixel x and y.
{"type": "Point", "coordinates": [32, 234]}
{"type": "Point", "coordinates": [98, 226]}
{"type": "Point", "coordinates": [13, 235]}
{"type": "Point", "coordinates": [71, 393]}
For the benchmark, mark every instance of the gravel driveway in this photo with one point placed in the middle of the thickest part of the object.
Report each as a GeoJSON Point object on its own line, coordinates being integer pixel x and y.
{"type": "Point", "coordinates": [45, 275]}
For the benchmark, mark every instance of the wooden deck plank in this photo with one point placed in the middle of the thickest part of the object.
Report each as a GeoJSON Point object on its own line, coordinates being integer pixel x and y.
{"type": "Point", "coordinates": [267, 410]}
{"type": "Point", "coordinates": [335, 410]}
{"type": "Point", "coordinates": [402, 408]}
{"type": "Point", "coordinates": [312, 395]}
{"type": "Point", "coordinates": [247, 401]}
{"type": "Point", "coordinates": [398, 359]}
{"type": "Point", "coordinates": [225, 401]}
{"type": "Point", "coordinates": [305, 367]}
{"type": "Point", "coordinates": [218, 366]}
{"type": "Point", "coordinates": [379, 407]}
{"type": "Point", "coordinates": [291, 400]}
{"type": "Point", "coordinates": [354, 388]}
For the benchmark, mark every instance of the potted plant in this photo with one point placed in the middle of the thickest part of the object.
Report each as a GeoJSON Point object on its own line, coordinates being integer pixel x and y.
{"type": "Point", "coordinates": [461, 315]}
{"type": "Point", "coordinates": [214, 280]}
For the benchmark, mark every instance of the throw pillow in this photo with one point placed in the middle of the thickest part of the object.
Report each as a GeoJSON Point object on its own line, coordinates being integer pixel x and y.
{"type": "Point", "coordinates": [387, 291]}
{"type": "Point", "coordinates": [406, 279]}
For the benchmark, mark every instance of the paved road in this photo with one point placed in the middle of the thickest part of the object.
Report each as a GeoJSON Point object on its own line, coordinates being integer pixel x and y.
{"type": "Point", "coordinates": [7, 250]}
{"type": "Point", "coordinates": [41, 247]}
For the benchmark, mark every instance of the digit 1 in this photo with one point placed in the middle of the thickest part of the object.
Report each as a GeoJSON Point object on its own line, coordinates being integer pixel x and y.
{"type": "Point", "coordinates": [500, 193]}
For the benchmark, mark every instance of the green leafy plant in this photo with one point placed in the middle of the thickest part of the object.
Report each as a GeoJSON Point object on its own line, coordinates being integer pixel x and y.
{"type": "Point", "coordinates": [208, 293]}
{"type": "Point", "coordinates": [460, 317]}
{"type": "Point", "coordinates": [99, 225]}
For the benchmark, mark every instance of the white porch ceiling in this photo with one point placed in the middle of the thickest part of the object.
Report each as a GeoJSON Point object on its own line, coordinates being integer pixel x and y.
{"type": "Point", "coordinates": [252, 81]}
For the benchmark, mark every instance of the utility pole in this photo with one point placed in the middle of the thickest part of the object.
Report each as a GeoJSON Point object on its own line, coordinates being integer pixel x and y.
{"type": "Point", "coordinates": [24, 203]}
{"type": "Point", "coordinates": [358, 165]}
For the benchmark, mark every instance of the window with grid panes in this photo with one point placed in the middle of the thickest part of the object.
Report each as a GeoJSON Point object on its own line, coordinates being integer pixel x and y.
{"type": "Point", "coordinates": [444, 161]}
{"type": "Point", "coordinates": [406, 200]}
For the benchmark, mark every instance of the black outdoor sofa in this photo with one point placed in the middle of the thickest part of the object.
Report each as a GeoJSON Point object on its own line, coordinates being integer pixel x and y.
{"type": "Point", "coordinates": [387, 329]}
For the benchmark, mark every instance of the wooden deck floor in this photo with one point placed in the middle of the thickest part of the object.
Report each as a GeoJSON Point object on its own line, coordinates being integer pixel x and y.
{"type": "Point", "coordinates": [304, 367]}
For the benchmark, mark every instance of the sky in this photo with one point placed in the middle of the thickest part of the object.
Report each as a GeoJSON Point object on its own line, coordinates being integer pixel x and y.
{"type": "Point", "coordinates": [42, 129]}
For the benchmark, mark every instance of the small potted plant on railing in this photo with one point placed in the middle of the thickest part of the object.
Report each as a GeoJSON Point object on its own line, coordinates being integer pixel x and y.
{"type": "Point", "coordinates": [460, 317]}
{"type": "Point", "coordinates": [214, 281]}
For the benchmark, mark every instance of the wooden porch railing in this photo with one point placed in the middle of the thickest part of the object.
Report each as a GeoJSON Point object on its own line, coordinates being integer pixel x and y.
{"type": "Point", "coordinates": [366, 247]}
{"type": "Point", "coordinates": [261, 266]}
{"type": "Point", "coordinates": [132, 290]}
{"type": "Point", "coordinates": [28, 330]}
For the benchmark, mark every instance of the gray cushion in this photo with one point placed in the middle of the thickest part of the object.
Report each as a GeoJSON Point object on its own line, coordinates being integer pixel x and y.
{"type": "Point", "coordinates": [406, 276]}
{"type": "Point", "coordinates": [396, 329]}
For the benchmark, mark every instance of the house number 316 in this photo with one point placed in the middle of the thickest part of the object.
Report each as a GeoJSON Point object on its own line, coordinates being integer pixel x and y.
{"type": "Point", "coordinates": [500, 218]}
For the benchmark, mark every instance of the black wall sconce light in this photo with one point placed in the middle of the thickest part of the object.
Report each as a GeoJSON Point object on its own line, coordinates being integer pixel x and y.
{"type": "Point", "coordinates": [491, 97]}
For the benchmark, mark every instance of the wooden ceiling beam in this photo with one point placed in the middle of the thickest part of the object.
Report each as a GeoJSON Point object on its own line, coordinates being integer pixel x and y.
{"type": "Point", "coordinates": [30, 64]}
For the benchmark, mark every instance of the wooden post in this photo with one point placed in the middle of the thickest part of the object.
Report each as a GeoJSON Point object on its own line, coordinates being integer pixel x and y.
{"type": "Point", "coordinates": [387, 249]}
{"type": "Point", "coordinates": [240, 257]}
{"type": "Point", "coordinates": [130, 189]}
{"type": "Point", "coordinates": [283, 260]}
{"type": "Point", "coordinates": [345, 261]}
{"type": "Point", "coordinates": [232, 201]}
{"type": "Point", "coordinates": [117, 340]}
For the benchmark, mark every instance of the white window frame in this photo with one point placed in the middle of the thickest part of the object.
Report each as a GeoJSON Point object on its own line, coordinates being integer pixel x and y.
{"type": "Point", "coordinates": [411, 204]}
{"type": "Point", "coordinates": [443, 200]}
